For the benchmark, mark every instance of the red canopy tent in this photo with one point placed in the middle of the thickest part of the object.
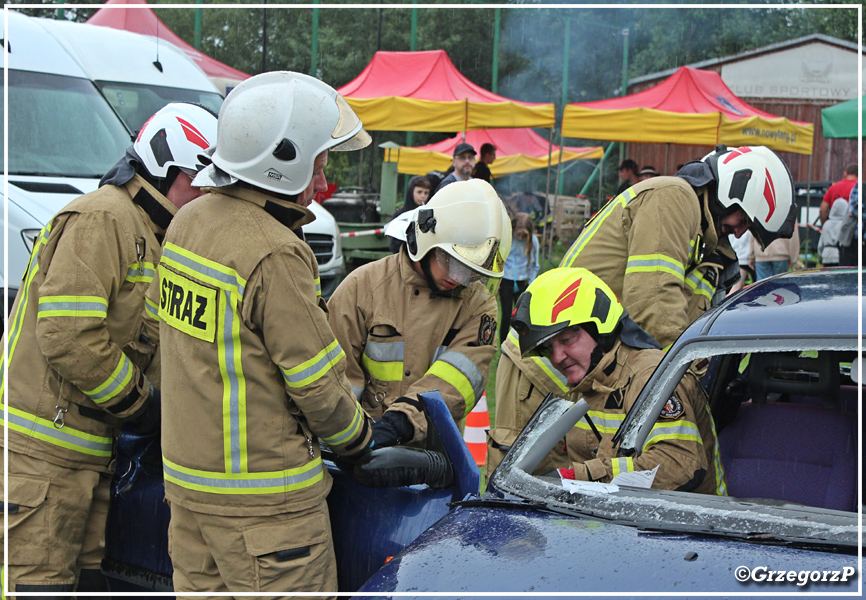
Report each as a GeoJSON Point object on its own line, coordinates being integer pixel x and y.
{"type": "Point", "coordinates": [691, 106]}
{"type": "Point", "coordinates": [424, 91]}
{"type": "Point", "coordinates": [141, 19]}
{"type": "Point", "coordinates": [517, 150]}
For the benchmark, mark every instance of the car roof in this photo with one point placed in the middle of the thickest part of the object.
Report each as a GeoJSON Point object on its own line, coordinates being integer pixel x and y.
{"type": "Point", "coordinates": [815, 302]}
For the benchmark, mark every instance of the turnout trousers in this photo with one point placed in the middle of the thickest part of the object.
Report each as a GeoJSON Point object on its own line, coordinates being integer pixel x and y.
{"type": "Point", "coordinates": [57, 519]}
{"type": "Point", "coordinates": [279, 554]}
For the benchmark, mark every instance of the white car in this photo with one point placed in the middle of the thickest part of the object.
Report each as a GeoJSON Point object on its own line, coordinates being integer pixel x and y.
{"type": "Point", "coordinates": [67, 94]}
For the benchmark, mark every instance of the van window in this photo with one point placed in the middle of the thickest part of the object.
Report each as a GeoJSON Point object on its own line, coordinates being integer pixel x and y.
{"type": "Point", "coordinates": [60, 126]}
{"type": "Point", "coordinates": [135, 103]}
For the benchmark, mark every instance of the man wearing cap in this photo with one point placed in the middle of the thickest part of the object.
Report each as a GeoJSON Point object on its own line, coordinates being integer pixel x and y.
{"type": "Point", "coordinates": [648, 172]}
{"type": "Point", "coordinates": [463, 161]}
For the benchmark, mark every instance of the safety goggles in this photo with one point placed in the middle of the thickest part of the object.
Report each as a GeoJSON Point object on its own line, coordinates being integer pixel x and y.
{"type": "Point", "coordinates": [464, 275]}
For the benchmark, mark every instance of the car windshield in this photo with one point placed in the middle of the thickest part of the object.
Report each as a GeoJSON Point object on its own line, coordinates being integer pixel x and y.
{"type": "Point", "coordinates": [61, 126]}
{"type": "Point", "coordinates": [786, 420]}
{"type": "Point", "coordinates": [136, 103]}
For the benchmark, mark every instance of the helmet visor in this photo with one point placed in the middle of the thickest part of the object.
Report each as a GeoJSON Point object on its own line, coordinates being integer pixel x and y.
{"type": "Point", "coordinates": [347, 123]}
{"type": "Point", "coordinates": [463, 274]}
{"type": "Point", "coordinates": [485, 255]}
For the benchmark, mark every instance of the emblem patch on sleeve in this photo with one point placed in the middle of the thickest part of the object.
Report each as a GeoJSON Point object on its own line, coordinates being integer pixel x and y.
{"type": "Point", "coordinates": [487, 331]}
{"type": "Point", "coordinates": [673, 409]}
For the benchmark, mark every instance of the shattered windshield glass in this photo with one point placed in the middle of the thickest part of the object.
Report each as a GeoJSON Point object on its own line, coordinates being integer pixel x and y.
{"type": "Point", "coordinates": [786, 424]}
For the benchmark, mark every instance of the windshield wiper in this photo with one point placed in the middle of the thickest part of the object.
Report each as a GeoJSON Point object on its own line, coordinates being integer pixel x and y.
{"type": "Point", "coordinates": [499, 503]}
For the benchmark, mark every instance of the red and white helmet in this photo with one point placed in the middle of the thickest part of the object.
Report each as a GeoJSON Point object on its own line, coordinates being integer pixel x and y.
{"type": "Point", "coordinates": [755, 179]}
{"type": "Point", "coordinates": [174, 137]}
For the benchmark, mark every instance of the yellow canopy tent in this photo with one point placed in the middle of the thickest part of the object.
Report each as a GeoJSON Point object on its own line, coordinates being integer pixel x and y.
{"type": "Point", "coordinates": [424, 91]}
{"type": "Point", "coordinates": [689, 107]}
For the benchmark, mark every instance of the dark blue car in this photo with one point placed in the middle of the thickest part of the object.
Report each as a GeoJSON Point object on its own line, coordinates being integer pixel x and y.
{"type": "Point", "coordinates": [781, 368]}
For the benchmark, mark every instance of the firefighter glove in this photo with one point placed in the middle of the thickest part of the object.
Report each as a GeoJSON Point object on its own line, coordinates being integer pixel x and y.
{"type": "Point", "coordinates": [392, 429]}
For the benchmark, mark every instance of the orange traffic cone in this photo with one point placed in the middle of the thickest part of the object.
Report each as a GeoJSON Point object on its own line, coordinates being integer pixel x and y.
{"type": "Point", "coordinates": [474, 434]}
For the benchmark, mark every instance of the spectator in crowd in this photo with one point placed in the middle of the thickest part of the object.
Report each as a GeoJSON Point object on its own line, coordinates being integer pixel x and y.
{"type": "Point", "coordinates": [629, 174]}
{"type": "Point", "coordinates": [463, 162]}
{"type": "Point", "coordinates": [647, 172]}
{"type": "Point", "coordinates": [521, 267]}
{"type": "Point", "coordinates": [778, 257]}
{"type": "Point", "coordinates": [417, 194]}
{"type": "Point", "coordinates": [831, 231]}
{"type": "Point", "coordinates": [838, 191]}
{"type": "Point", "coordinates": [849, 244]}
{"type": "Point", "coordinates": [742, 246]}
{"type": "Point", "coordinates": [482, 167]}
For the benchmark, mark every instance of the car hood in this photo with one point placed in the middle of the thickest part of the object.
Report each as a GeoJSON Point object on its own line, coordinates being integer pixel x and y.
{"type": "Point", "coordinates": [514, 548]}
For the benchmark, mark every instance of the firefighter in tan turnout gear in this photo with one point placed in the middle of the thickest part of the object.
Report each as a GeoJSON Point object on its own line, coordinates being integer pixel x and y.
{"type": "Point", "coordinates": [662, 247]}
{"type": "Point", "coordinates": [574, 319]}
{"type": "Point", "coordinates": [425, 318]}
{"type": "Point", "coordinates": [253, 376]}
{"type": "Point", "coordinates": [79, 367]}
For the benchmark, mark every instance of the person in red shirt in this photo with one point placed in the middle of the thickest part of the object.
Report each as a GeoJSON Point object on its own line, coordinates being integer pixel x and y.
{"type": "Point", "coordinates": [839, 190]}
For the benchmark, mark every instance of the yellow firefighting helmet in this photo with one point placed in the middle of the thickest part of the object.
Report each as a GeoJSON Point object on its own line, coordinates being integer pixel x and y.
{"type": "Point", "coordinates": [466, 227]}
{"type": "Point", "coordinates": [563, 298]}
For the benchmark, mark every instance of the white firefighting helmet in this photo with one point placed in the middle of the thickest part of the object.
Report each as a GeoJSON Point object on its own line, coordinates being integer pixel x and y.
{"type": "Point", "coordinates": [467, 228]}
{"type": "Point", "coordinates": [755, 179]}
{"type": "Point", "coordinates": [174, 137]}
{"type": "Point", "coordinates": [273, 126]}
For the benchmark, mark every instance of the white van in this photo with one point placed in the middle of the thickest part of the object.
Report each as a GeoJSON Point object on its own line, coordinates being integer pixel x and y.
{"type": "Point", "coordinates": [63, 135]}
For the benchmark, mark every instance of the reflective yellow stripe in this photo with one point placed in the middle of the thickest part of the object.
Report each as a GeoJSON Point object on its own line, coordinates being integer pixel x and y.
{"type": "Point", "coordinates": [202, 268]}
{"type": "Point", "coordinates": [349, 432]}
{"type": "Point", "coordinates": [383, 371]}
{"type": "Point", "coordinates": [318, 283]}
{"type": "Point", "coordinates": [143, 272]}
{"type": "Point", "coordinates": [151, 309]}
{"type": "Point", "coordinates": [383, 360]}
{"type": "Point", "coordinates": [116, 382]}
{"type": "Point", "coordinates": [604, 422]}
{"type": "Point", "coordinates": [72, 306]}
{"type": "Point", "coordinates": [744, 363]}
{"type": "Point", "coordinates": [315, 368]}
{"type": "Point", "coordinates": [14, 333]}
{"type": "Point", "coordinates": [673, 430]}
{"type": "Point", "coordinates": [622, 465]}
{"type": "Point", "coordinates": [700, 285]}
{"type": "Point", "coordinates": [589, 230]}
{"type": "Point", "coordinates": [271, 482]}
{"type": "Point", "coordinates": [653, 263]}
{"type": "Point", "coordinates": [453, 376]}
{"type": "Point", "coordinates": [721, 488]}
{"type": "Point", "coordinates": [234, 400]}
{"type": "Point", "coordinates": [43, 429]}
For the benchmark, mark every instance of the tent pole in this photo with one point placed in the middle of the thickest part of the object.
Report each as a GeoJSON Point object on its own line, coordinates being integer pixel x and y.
{"type": "Point", "coordinates": [546, 231]}
{"type": "Point", "coordinates": [667, 158]}
{"type": "Point", "coordinates": [556, 192]}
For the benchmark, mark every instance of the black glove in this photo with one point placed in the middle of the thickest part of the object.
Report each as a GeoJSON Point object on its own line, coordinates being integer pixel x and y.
{"type": "Point", "coordinates": [146, 420]}
{"type": "Point", "coordinates": [396, 467]}
{"type": "Point", "coordinates": [392, 429]}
